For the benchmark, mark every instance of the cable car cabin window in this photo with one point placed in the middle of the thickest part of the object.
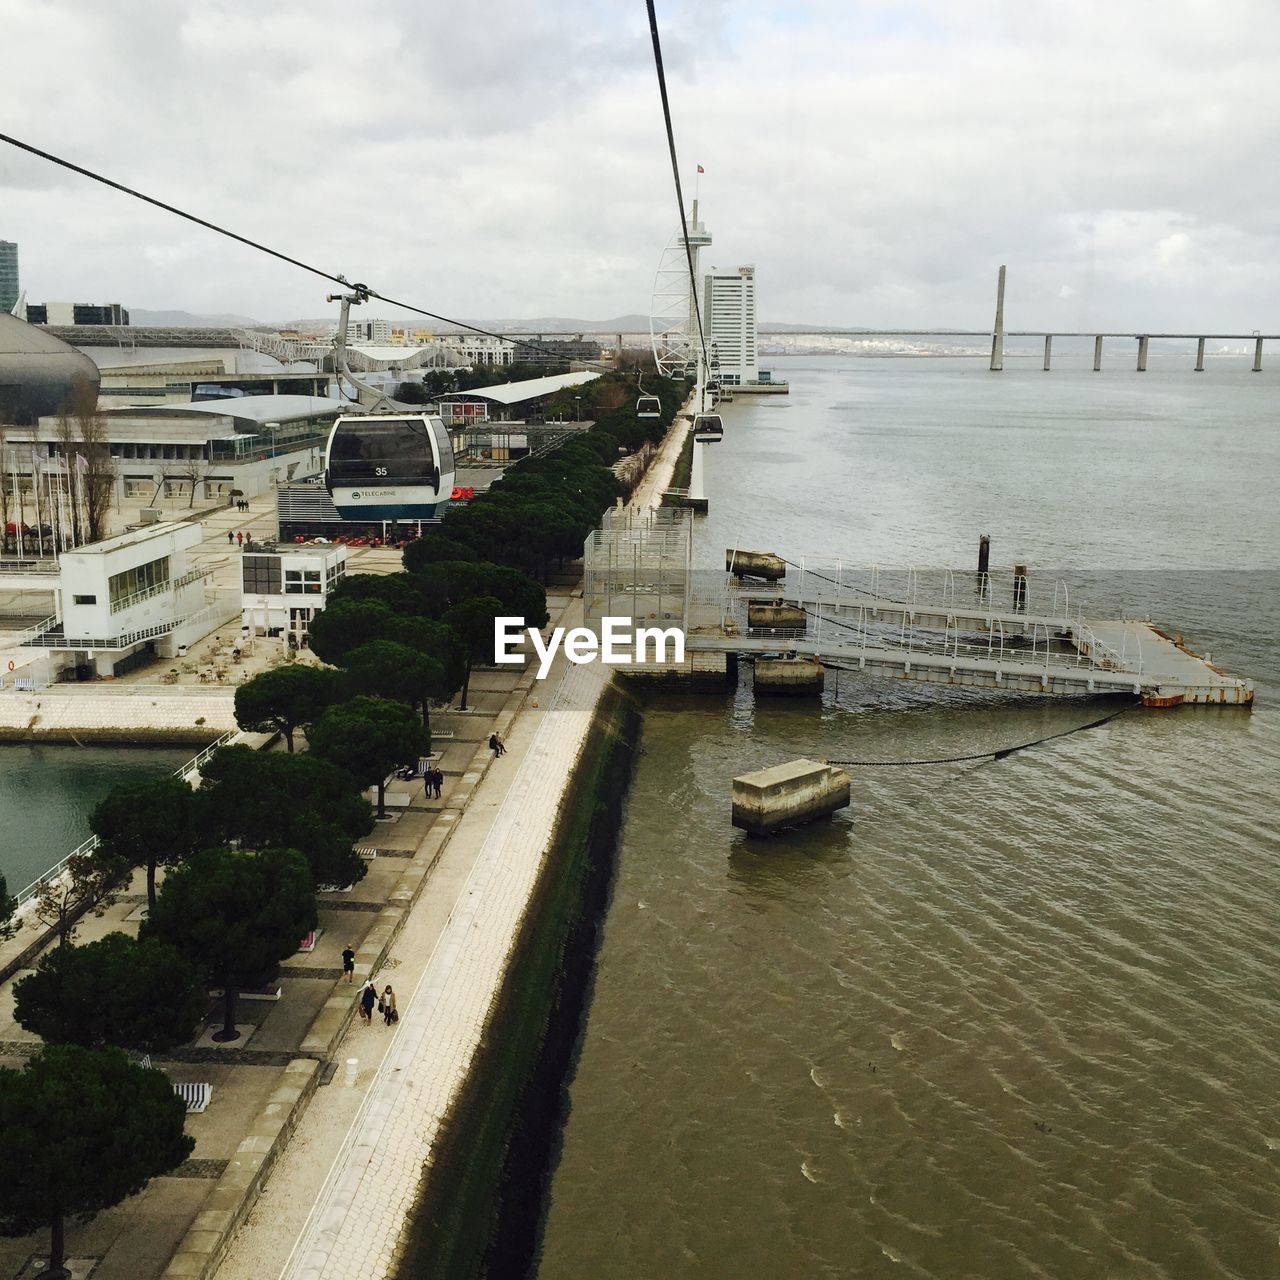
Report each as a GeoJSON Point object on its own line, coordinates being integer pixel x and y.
{"type": "Point", "coordinates": [383, 452]}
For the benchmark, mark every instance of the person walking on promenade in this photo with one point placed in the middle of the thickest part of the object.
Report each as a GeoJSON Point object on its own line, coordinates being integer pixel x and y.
{"type": "Point", "coordinates": [368, 998]}
{"type": "Point", "coordinates": [436, 780]}
{"type": "Point", "coordinates": [240, 540]}
{"type": "Point", "coordinates": [387, 1006]}
{"type": "Point", "coordinates": [231, 537]}
{"type": "Point", "coordinates": [349, 963]}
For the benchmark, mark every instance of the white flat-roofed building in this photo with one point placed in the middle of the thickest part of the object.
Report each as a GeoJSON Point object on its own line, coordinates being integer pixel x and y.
{"type": "Point", "coordinates": [128, 600]}
{"type": "Point", "coordinates": [200, 452]}
{"type": "Point", "coordinates": [284, 587]}
{"type": "Point", "coordinates": [729, 306]}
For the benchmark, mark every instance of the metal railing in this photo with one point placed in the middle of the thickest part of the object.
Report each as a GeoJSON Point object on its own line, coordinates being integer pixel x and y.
{"type": "Point", "coordinates": [88, 846]}
{"type": "Point", "coordinates": [215, 614]}
{"type": "Point", "coordinates": [29, 566]}
{"type": "Point", "coordinates": [159, 588]}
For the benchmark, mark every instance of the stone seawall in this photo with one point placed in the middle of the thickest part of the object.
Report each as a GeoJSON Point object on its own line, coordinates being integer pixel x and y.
{"type": "Point", "coordinates": [482, 1203]}
{"type": "Point", "coordinates": [132, 715]}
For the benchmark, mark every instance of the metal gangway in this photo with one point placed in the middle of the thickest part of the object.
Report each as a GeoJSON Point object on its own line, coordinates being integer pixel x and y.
{"type": "Point", "coordinates": [951, 627]}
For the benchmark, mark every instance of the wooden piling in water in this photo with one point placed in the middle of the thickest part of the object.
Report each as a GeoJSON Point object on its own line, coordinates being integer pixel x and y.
{"type": "Point", "coordinates": [1019, 586]}
{"type": "Point", "coordinates": [984, 552]}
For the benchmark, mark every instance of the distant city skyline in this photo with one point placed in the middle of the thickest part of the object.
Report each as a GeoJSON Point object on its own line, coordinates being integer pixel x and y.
{"type": "Point", "coordinates": [876, 162]}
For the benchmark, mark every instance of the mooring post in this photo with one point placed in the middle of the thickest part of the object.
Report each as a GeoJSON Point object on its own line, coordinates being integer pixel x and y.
{"type": "Point", "coordinates": [1019, 586]}
{"type": "Point", "coordinates": [997, 334]}
{"type": "Point", "coordinates": [1199, 355]}
{"type": "Point", "coordinates": [984, 552]}
{"type": "Point", "coordinates": [1142, 353]}
{"type": "Point", "coordinates": [1257, 355]}
{"type": "Point", "coordinates": [1048, 349]}
{"type": "Point", "coordinates": [1097, 353]}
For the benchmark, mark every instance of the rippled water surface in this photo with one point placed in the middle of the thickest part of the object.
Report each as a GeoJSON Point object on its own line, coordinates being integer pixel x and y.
{"type": "Point", "coordinates": [48, 792]}
{"type": "Point", "coordinates": [1004, 1019]}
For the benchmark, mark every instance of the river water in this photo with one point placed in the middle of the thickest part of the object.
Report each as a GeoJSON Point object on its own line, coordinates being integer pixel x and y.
{"type": "Point", "coordinates": [1014, 1018]}
{"type": "Point", "coordinates": [48, 791]}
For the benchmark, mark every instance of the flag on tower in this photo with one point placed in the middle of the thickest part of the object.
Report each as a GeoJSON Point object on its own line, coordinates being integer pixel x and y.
{"type": "Point", "coordinates": [701, 169]}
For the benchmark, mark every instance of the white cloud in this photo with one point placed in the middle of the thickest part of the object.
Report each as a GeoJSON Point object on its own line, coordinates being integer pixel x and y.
{"type": "Point", "coordinates": [877, 161]}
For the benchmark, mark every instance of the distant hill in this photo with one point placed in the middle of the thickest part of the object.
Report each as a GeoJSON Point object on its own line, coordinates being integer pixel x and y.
{"type": "Point", "coordinates": [539, 324]}
{"type": "Point", "coordinates": [187, 320]}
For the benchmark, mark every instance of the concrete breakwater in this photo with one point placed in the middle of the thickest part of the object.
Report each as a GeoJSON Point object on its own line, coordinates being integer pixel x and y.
{"type": "Point", "coordinates": [126, 714]}
{"type": "Point", "coordinates": [481, 1209]}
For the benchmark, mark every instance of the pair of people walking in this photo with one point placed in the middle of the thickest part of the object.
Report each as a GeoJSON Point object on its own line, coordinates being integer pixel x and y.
{"type": "Point", "coordinates": [433, 781]}
{"type": "Point", "coordinates": [385, 1000]}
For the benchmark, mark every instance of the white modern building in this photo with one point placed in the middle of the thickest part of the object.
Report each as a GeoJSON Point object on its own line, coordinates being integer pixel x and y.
{"type": "Point", "coordinates": [129, 600]}
{"type": "Point", "coordinates": [729, 311]}
{"type": "Point", "coordinates": [285, 587]}
{"type": "Point", "coordinates": [194, 453]}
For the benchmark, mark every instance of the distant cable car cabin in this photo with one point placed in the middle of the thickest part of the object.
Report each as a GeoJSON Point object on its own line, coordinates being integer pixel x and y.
{"type": "Point", "coordinates": [648, 407]}
{"type": "Point", "coordinates": [708, 428]}
{"type": "Point", "coordinates": [389, 467]}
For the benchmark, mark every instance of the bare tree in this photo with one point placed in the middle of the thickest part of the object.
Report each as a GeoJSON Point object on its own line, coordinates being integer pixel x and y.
{"type": "Point", "coordinates": [84, 886]}
{"type": "Point", "coordinates": [82, 431]}
{"type": "Point", "coordinates": [193, 471]}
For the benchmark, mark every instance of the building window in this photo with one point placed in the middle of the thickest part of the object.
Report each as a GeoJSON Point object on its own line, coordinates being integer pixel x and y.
{"type": "Point", "coordinates": [262, 575]}
{"type": "Point", "coordinates": [85, 599]}
{"type": "Point", "coordinates": [146, 576]}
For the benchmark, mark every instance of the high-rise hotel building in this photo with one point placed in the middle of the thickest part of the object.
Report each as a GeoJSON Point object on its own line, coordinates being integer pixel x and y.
{"type": "Point", "coordinates": [729, 310]}
{"type": "Point", "coordinates": [8, 275]}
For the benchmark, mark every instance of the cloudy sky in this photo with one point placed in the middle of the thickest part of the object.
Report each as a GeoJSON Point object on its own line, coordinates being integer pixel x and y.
{"type": "Point", "coordinates": [877, 161]}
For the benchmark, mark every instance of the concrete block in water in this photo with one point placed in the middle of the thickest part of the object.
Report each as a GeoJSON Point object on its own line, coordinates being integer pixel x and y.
{"type": "Point", "coordinates": [794, 677]}
{"type": "Point", "coordinates": [787, 795]}
{"type": "Point", "coordinates": [789, 617]}
{"type": "Point", "coordinates": [755, 564]}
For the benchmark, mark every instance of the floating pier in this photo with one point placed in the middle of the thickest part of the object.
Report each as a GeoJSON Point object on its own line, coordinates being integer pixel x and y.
{"type": "Point", "coordinates": [790, 677]}
{"type": "Point", "coordinates": [788, 795]}
{"type": "Point", "coordinates": [939, 637]}
{"type": "Point", "coordinates": [755, 564]}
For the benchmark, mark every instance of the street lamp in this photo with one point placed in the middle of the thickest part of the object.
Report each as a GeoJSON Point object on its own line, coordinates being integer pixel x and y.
{"type": "Point", "coordinates": [577, 400]}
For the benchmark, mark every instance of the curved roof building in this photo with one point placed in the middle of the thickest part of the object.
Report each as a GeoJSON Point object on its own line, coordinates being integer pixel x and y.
{"type": "Point", "coordinates": [38, 372]}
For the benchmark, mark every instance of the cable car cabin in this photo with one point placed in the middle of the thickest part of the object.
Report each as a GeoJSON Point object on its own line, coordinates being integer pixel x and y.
{"type": "Point", "coordinates": [389, 467]}
{"type": "Point", "coordinates": [708, 429]}
{"type": "Point", "coordinates": [648, 407]}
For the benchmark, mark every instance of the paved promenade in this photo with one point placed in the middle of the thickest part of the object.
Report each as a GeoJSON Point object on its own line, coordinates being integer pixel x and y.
{"type": "Point", "coordinates": [354, 1230]}
{"type": "Point", "coordinates": [339, 1200]}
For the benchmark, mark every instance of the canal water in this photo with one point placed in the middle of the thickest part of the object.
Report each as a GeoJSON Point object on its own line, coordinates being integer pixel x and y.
{"type": "Point", "coordinates": [48, 791]}
{"type": "Point", "coordinates": [1012, 1018]}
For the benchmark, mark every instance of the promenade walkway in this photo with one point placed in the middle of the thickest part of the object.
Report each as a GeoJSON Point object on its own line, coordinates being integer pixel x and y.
{"type": "Point", "coordinates": [338, 1202]}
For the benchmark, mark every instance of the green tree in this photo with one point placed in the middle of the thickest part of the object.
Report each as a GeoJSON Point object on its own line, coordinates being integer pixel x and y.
{"type": "Point", "coordinates": [345, 624]}
{"type": "Point", "coordinates": [235, 914]}
{"type": "Point", "coordinates": [286, 698]}
{"type": "Point", "coordinates": [369, 737]}
{"type": "Point", "coordinates": [264, 799]}
{"type": "Point", "coordinates": [8, 909]}
{"type": "Point", "coordinates": [80, 1130]}
{"type": "Point", "coordinates": [145, 824]}
{"type": "Point", "coordinates": [472, 620]}
{"type": "Point", "coordinates": [433, 548]}
{"type": "Point", "coordinates": [135, 993]}
{"type": "Point", "coordinates": [389, 669]}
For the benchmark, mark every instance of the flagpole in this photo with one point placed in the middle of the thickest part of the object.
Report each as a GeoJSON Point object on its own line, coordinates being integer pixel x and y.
{"type": "Point", "coordinates": [35, 488]}
{"type": "Point", "coordinates": [17, 497]}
